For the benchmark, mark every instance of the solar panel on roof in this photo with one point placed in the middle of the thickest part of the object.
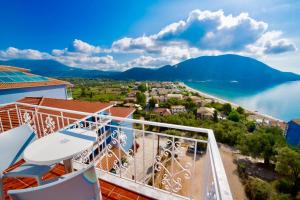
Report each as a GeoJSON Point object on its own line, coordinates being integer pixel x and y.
{"type": "Point", "coordinates": [6, 80]}
{"type": "Point", "coordinates": [18, 77]}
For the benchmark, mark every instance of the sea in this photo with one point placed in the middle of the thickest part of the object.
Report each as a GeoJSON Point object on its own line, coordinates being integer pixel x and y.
{"type": "Point", "coordinates": [281, 101]}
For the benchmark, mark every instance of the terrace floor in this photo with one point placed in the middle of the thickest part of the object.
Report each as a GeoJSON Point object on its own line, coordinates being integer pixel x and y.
{"type": "Point", "coordinates": [109, 191]}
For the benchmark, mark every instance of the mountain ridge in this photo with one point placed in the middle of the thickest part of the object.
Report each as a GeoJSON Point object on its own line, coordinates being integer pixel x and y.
{"type": "Point", "coordinates": [53, 68]}
{"type": "Point", "coordinates": [228, 67]}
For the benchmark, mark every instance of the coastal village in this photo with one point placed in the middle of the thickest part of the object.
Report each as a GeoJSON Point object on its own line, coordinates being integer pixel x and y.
{"type": "Point", "coordinates": [164, 98]}
{"type": "Point", "coordinates": [159, 93]}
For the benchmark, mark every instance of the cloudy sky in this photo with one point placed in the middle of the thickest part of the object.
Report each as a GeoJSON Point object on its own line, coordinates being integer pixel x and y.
{"type": "Point", "coordinates": [121, 34]}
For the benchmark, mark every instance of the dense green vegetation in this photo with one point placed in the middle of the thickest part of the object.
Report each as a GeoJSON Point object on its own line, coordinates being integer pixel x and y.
{"type": "Point", "coordinates": [188, 103]}
{"type": "Point", "coordinates": [141, 99]}
{"type": "Point", "coordinates": [99, 89]}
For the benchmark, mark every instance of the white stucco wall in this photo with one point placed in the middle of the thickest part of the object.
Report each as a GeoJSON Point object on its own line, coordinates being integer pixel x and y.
{"type": "Point", "coordinates": [11, 95]}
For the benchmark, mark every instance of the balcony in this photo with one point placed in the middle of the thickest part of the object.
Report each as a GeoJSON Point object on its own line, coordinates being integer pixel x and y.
{"type": "Point", "coordinates": [134, 156]}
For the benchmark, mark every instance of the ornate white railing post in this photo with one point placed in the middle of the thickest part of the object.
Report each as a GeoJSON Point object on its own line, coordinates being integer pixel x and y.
{"type": "Point", "coordinates": [37, 123]}
{"type": "Point", "coordinates": [18, 114]}
{"type": "Point", "coordinates": [50, 125]}
{"type": "Point", "coordinates": [1, 125]}
{"type": "Point", "coordinates": [62, 118]}
{"type": "Point", "coordinates": [9, 118]}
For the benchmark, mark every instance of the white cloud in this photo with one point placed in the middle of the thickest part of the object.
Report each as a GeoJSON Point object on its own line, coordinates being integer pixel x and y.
{"type": "Point", "coordinates": [14, 53]}
{"type": "Point", "coordinates": [135, 45]}
{"type": "Point", "coordinates": [271, 42]}
{"type": "Point", "coordinates": [201, 33]}
{"type": "Point", "coordinates": [84, 47]}
{"type": "Point", "coordinates": [85, 60]}
{"type": "Point", "coordinates": [206, 30]}
{"type": "Point", "coordinates": [146, 61]}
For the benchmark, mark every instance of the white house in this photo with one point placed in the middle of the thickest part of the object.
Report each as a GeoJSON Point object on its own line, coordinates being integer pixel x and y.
{"type": "Point", "coordinates": [178, 109]}
{"type": "Point", "coordinates": [175, 96]}
{"type": "Point", "coordinates": [17, 83]}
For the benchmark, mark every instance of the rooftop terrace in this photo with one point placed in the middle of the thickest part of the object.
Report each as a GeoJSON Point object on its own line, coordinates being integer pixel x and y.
{"type": "Point", "coordinates": [155, 164]}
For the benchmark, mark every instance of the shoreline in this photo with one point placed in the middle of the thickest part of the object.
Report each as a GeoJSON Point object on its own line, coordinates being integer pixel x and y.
{"type": "Point", "coordinates": [219, 100]}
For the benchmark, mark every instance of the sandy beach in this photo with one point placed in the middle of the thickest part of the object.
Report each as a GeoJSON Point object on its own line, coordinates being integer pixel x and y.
{"type": "Point", "coordinates": [217, 99]}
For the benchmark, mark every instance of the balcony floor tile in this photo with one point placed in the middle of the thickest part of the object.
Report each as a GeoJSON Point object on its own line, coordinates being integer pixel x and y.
{"type": "Point", "coordinates": [109, 190]}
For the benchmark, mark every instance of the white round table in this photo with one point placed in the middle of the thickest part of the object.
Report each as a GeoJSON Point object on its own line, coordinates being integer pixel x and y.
{"type": "Point", "coordinates": [60, 146]}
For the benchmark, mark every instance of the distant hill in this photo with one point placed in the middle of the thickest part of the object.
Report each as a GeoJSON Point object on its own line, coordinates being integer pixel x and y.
{"type": "Point", "coordinates": [230, 68]}
{"type": "Point", "coordinates": [53, 68]}
{"type": "Point", "coordinates": [214, 68]}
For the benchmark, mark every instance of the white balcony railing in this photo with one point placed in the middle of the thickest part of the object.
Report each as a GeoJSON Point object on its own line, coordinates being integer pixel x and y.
{"type": "Point", "coordinates": [136, 154]}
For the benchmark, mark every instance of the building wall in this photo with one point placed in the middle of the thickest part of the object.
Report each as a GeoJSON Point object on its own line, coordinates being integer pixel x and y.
{"type": "Point", "coordinates": [293, 133]}
{"type": "Point", "coordinates": [12, 95]}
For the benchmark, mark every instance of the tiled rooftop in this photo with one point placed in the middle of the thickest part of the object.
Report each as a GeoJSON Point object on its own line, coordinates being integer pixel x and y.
{"type": "Point", "coordinates": [49, 82]}
{"type": "Point", "coordinates": [10, 68]}
{"type": "Point", "coordinates": [109, 191]}
{"type": "Point", "coordinates": [75, 105]}
{"type": "Point", "coordinates": [121, 111]}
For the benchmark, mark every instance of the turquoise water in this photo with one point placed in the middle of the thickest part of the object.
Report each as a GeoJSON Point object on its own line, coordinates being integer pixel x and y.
{"type": "Point", "coordinates": [281, 101]}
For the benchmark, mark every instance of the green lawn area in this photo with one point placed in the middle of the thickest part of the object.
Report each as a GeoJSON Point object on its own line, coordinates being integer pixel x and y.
{"type": "Point", "coordinates": [99, 89]}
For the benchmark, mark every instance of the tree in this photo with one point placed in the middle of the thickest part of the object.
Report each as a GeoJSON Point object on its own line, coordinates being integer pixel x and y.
{"type": "Point", "coordinates": [190, 105]}
{"type": "Point", "coordinates": [262, 143]}
{"type": "Point", "coordinates": [83, 93]}
{"type": "Point", "coordinates": [152, 102]}
{"type": "Point", "coordinates": [174, 101]}
{"type": "Point", "coordinates": [240, 110]}
{"type": "Point", "coordinates": [251, 126]}
{"type": "Point", "coordinates": [142, 87]}
{"type": "Point", "coordinates": [234, 116]}
{"type": "Point", "coordinates": [288, 164]}
{"type": "Point", "coordinates": [215, 116]}
{"type": "Point", "coordinates": [227, 108]}
{"type": "Point", "coordinates": [257, 189]}
{"type": "Point", "coordinates": [141, 98]}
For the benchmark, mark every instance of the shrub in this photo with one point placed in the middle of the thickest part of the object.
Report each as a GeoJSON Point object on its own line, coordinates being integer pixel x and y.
{"type": "Point", "coordinates": [251, 126]}
{"type": "Point", "coordinates": [234, 116]}
{"type": "Point", "coordinates": [227, 108]}
{"type": "Point", "coordinates": [283, 185]}
{"type": "Point", "coordinates": [257, 189]}
{"type": "Point", "coordinates": [240, 110]}
{"type": "Point", "coordinates": [241, 168]}
{"type": "Point", "coordinates": [281, 196]}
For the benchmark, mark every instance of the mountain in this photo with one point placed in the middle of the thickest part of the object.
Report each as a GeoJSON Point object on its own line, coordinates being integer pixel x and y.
{"type": "Point", "coordinates": [225, 68]}
{"type": "Point", "coordinates": [232, 68]}
{"type": "Point", "coordinates": [53, 68]}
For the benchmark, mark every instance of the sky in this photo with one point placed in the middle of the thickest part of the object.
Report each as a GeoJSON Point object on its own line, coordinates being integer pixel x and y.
{"type": "Point", "coordinates": [118, 35]}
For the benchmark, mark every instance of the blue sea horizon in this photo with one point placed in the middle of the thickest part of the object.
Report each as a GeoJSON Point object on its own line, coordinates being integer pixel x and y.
{"type": "Point", "coordinates": [281, 101]}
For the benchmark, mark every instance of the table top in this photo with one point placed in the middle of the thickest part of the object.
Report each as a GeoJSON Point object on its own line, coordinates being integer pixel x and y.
{"type": "Point", "coordinates": [59, 146]}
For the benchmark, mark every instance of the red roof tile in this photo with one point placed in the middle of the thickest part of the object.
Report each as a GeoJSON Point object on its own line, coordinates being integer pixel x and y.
{"type": "Point", "coordinates": [121, 111]}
